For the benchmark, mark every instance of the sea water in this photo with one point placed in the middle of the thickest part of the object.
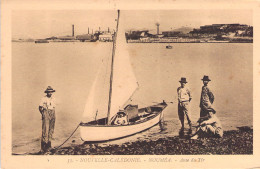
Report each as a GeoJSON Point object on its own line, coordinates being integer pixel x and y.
{"type": "Point", "coordinates": [70, 68]}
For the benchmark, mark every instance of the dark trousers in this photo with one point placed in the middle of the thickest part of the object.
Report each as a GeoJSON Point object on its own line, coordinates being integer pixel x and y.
{"type": "Point", "coordinates": [203, 112]}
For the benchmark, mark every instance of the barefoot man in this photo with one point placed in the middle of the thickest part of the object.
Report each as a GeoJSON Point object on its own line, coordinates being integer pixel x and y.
{"type": "Point", "coordinates": [47, 110]}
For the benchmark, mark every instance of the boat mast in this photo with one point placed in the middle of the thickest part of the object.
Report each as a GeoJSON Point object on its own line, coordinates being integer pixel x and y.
{"type": "Point", "coordinates": [111, 75]}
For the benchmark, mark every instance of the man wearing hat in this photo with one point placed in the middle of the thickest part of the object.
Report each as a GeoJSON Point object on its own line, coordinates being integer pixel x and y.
{"type": "Point", "coordinates": [209, 126]}
{"type": "Point", "coordinates": [184, 98]}
{"type": "Point", "coordinates": [47, 109]}
{"type": "Point", "coordinates": [207, 97]}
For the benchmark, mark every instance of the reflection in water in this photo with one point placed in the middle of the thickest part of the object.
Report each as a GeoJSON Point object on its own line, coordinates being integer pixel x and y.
{"type": "Point", "coordinates": [162, 125]}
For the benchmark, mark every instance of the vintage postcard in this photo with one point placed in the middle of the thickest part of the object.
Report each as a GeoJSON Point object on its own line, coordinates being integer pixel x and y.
{"type": "Point", "coordinates": [149, 85]}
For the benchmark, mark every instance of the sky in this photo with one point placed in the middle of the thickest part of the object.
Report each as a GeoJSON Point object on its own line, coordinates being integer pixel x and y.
{"type": "Point", "coordinates": [47, 23]}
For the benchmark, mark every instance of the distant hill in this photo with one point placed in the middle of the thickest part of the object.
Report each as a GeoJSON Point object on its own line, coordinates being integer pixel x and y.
{"type": "Point", "coordinates": [184, 29]}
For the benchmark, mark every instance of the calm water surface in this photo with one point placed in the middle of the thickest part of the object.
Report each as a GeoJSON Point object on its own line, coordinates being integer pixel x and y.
{"type": "Point", "coordinates": [70, 68]}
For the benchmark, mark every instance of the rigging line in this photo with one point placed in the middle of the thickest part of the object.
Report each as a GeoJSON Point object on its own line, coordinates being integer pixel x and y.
{"type": "Point", "coordinates": [130, 98]}
{"type": "Point", "coordinates": [68, 137]}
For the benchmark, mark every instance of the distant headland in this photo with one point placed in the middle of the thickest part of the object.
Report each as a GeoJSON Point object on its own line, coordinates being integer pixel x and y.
{"type": "Point", "coordinates": [215, 33]}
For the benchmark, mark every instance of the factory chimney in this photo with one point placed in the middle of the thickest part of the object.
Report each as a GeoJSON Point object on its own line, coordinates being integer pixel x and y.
{"type": "Point", "coordinates": [108, 29]}
{"type": "Point", "coordinates": [72, 30]}
{"type": "Point", "coordinates": [88, 30]}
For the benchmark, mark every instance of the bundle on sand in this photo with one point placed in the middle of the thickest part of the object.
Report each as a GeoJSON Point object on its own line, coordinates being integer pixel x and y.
{"type": "Point", "coordinates": [233, 142]}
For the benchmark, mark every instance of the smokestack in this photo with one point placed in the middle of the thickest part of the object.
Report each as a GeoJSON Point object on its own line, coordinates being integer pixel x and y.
{"type": "Point", "coordinates": [72, 30]}
{"type": "Point", "coordinates": [99, 29]}
{"type": "Point", "coordinates": [108, 29]}
{"type": "Point", "coordinates": [92, 31]}
{"type": "Point", "coordinates": [88, 30]}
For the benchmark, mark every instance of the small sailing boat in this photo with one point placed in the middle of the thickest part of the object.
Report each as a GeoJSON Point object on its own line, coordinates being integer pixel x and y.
{"type": "Point", "coordinates": [168, 47]}
{"type": "Point", "coordinates": [123, 85]}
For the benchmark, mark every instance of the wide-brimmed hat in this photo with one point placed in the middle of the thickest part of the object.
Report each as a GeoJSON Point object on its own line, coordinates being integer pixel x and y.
{"type": "Point", "coordinates": [206, 78]}
{"type": "Point", "coordinates": [183, 80]}
{"type": "Point", "coordinates": [49, 90]}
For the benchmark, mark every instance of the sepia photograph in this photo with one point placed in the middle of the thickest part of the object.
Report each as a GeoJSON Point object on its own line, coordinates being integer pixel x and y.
{"type": "Point", "coordinates": [114, 82]}
{"type": "Point", "coordinates": [124, 85]}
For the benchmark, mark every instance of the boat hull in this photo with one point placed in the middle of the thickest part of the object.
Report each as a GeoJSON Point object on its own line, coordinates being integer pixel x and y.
{"type": "Point", "coordinates": [98, 133]}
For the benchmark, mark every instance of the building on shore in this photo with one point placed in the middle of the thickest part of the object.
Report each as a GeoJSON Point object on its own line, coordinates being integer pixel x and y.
{"type": "Point", "coordinates": [135, 35]}
{"type": "Point", "coordinates": [105, 37]}
{"type": "Point", "coordinates": [221, 29]}
{"type": "Point", "coordinates": [86, 37]}
{"type": "Point", "coordinates": [171, 33]}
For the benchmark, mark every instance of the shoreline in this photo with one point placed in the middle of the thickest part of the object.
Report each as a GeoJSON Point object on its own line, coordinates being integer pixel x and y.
{"type": "Point", "coordinates": [142, 42]}
{"type": "Point", "coordinates": [233, 142]}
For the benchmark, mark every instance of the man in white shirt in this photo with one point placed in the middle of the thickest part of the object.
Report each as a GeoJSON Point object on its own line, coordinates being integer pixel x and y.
{"type": "Point", "coordinates": [47, 109]}
{"type": "Point", "coordinates": [184, 98]}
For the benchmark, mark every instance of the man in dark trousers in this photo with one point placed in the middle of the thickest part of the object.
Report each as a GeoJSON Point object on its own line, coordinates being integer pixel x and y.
{"type": "Point", "coordinates": [184, 98]}
{"type": "Point", "coordinates": [207, 97]}
{"type": "Point", "coordinates": [47, 110]}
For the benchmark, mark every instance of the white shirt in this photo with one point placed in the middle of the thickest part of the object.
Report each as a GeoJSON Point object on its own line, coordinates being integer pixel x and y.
{"type": "Point", "coordinates": [48, 103]}
{"type": "Point", "coordinates": [183, 94]}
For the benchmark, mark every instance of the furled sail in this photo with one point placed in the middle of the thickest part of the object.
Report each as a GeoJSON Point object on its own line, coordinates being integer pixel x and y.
{"type": "Point", "coordinates": [124, 80]}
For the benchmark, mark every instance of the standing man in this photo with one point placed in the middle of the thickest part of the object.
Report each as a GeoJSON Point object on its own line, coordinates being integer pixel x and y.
{"type": "Point", "coordinates": [207, 97]}
{"type": "Point", "coordinates": [47, 109]}
{"type": "Point", "coordinates": [184, 98]}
